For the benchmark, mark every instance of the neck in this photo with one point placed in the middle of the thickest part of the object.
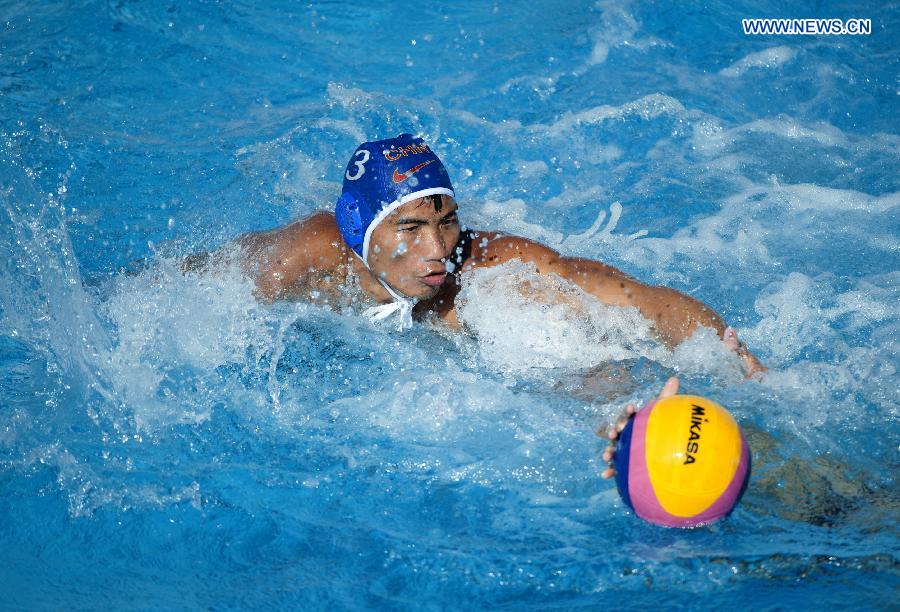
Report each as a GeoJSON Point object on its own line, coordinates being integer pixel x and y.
{"type": "Point", "coordinates": [368, 281]}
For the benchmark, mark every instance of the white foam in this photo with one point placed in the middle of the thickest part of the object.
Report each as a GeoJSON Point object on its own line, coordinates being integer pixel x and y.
{"type": "Point", "coordinates": [711, 138]}
{"type": "Point", "coordinates": [598, 233]}
{"type": "Point", "coordinates": [426, 405]}
{"type": "Point", "coordinates": [202, 319]}
{"type": "Point", "coordinates": [45, 301]}
{"type": "Point", "coordinates": [808, 196]}
{"type": "Point", "coordinates": [306, 182]}
{"type": "Point", "coordinates": [166, 321]}
{"type": "Point", "coordinates": [791, 129]}
{"type": "Point", "coordinates": [543, 85]}
{"type": "Point", "coordinates": [345, 126]}
{"type": "Point", "coordinates": [646, 107]}
{"type": "Point", "coordinates": [88, 491]}
{"type": "Point", "coordinates": [799, 313]}
{"type": "Point", "coordinates": [509, 216]}
{"type": "Point", "coordinates": [532, 169]}
{"type": "Point", "coordinates": [350, 98]}
{"type": "Point", "coordinates": [704, 353]}
{"type": "Point", "coordinates": [814, 399]}
{"type": "Point", "coordinates": [756, 224]}
{"type": "Point", "coordinates": [618, 28]}
{"type": "Point", "coordinates": [525, 320]}
{"type": "Point", "coordinates": [774, 57]}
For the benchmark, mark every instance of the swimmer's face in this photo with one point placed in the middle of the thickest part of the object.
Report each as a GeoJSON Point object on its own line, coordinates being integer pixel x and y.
{"type": "Point", "coordinates": [409, 249]}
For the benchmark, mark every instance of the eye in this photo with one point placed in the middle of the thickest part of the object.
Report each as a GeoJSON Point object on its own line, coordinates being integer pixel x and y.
{"type": "Point", "coordinates": [411, 228]}
{"type": "Point", "coordinates": [451, 220]}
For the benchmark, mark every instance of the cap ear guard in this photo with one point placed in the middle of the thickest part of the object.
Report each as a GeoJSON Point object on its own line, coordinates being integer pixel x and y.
{"type": "Point", "coordinates": [349, 220]}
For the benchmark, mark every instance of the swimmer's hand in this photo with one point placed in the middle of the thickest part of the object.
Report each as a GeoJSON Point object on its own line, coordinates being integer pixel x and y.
{"type": "Point", "coordinates": [670, 389]}
{"type": "Point", "coordinates": [751, 364]}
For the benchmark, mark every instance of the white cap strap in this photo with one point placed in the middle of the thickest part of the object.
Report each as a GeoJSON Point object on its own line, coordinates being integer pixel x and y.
{"type": "Point", "coordinates": [401, 305]}
{"type": "Point", "coordinates": [387, 210]}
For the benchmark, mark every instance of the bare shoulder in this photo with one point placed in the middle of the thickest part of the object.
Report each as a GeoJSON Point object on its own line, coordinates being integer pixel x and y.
{"type": "Point", "coordinates": [490, 248]}
{"type": "Point", "coordinates": [283, 258]}
{"type": "Point", "coordinates": [312, 232]}
{"type": "Point", "coordinates": [495, 248]}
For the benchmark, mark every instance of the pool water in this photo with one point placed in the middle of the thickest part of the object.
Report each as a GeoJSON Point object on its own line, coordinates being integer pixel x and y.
{"type": "Point", "coordinates": [166, 441]}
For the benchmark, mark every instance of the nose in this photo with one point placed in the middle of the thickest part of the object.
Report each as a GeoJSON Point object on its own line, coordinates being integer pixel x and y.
{"type": "Point", "coordinates": [433, 243]}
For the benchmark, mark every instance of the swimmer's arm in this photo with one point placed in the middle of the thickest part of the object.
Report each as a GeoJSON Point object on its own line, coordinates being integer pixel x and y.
{"type": "Point", "coordinates": [675, 315]}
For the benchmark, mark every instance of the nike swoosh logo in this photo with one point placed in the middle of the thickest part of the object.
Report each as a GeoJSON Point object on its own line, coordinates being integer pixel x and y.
{"type": "Point", "coordinates": [399, 178]}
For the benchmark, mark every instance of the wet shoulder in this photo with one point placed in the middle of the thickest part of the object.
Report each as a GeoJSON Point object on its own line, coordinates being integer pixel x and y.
{"type": "Point", "coordinates": [290, 261]}
{"type": "Point", "coordinates": [480, 249]}
{"type": "Point", "coordinates": [491, 248]}
{"type": "Point", "coordinates": [315, 235]}
{"type": "Point", "coordinates": [319, 236]}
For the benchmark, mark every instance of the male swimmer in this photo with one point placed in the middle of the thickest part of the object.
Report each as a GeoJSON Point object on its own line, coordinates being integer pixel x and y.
{"type": "Point", "coordinates": [396, 234]}
{"type": "Point", "coordinates": [395, 230]}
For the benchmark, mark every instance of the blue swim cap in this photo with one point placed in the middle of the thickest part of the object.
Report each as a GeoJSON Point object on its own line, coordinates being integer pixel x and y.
{"type": "Point", "coordinates": [382, 176]}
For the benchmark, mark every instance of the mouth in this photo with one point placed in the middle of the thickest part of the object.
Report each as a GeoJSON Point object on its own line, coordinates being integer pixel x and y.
{"type": "Point", "coordinates": [435, 278]}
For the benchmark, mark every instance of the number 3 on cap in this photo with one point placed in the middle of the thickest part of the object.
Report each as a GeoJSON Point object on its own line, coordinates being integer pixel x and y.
{"type": "Point", "coordinates": [361, 169]}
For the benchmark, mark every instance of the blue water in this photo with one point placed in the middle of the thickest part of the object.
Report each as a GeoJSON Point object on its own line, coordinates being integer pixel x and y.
{"type": "Point", "coordinates": [168, 442]}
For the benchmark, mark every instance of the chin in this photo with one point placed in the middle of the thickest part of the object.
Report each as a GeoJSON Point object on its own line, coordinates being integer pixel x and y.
{"type": "Point", "coordinates": [425, 293]}
{"type": "Point", "coordinates": [429, 293]}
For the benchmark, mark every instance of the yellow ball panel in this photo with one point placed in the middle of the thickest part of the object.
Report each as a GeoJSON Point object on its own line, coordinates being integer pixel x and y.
{"type": "Point", "coordinates": [692, 448]}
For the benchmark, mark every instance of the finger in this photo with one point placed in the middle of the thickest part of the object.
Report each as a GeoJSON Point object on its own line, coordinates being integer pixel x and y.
{"type": "Point", "coordinates": [735, 344]}
{"type": "Point", "coordinates": [729, 337]}
{"type": "Point", "coordinates": [625, 417]}
{"type": "Point", "coordinates": [752, 365]}
{"type": "Point", "coordinates": [670, 388]}
{"type": "Point", "coordinates": [608, 473]}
